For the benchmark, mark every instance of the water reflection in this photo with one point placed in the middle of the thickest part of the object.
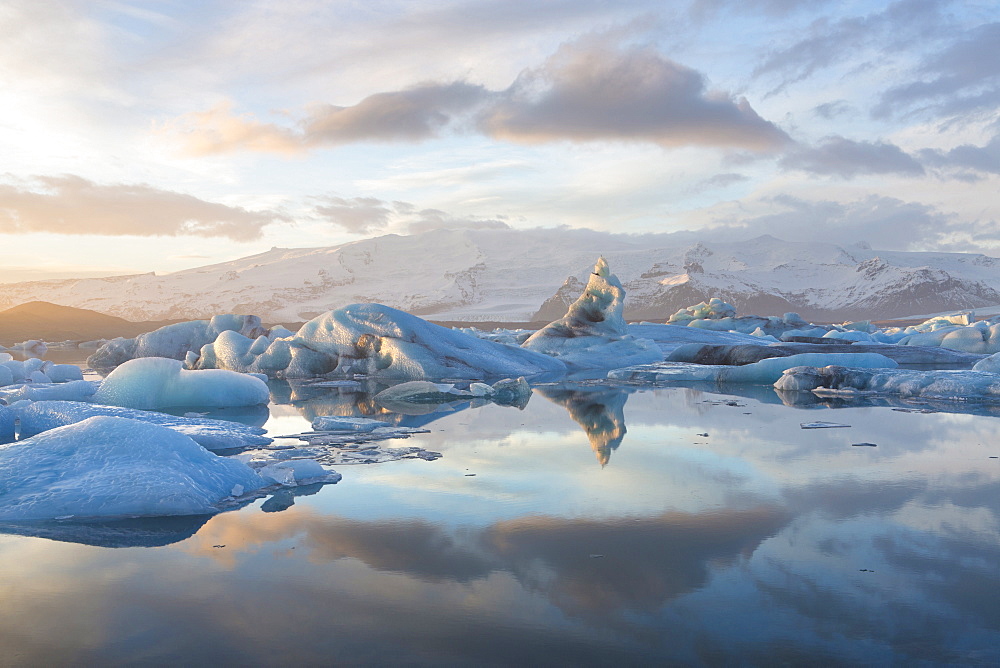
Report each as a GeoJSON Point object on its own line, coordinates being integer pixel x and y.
{"type": "Point", "coordinates": [763, 543]}
{"type": "Point", "coordinates": [599, 410]}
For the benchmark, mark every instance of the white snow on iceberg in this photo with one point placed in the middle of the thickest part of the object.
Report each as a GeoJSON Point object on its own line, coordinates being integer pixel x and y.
{"type": "Point", "coordinates": [116, 467]}
{"type": "Point", "coordinates": [159, 382]}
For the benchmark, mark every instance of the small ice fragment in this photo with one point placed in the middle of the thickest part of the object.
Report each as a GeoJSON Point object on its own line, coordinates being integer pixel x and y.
{"type": "Point", "coordinates": [597, 556]}
{"type": "Point", "coordinates": [821, 425]}
{"type": "Point", "coordinates": [704, 434]}
{"type": "Point", "coordinates": [864, 445]}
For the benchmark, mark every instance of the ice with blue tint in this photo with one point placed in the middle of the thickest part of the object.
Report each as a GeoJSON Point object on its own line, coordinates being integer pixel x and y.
{"type": "Point", "coordinates": [41, 416]}
{"type": "Point", "coordinates": [159, 382]}
{"type": "Point", "coordinates": [593, 334]}
{"type": "Point", "coordinates": [116, 467]}
{"type": "Point", "coordinates": [937, 384]}
{"type": "Point", "coordinates": [764, 372]}
{"type": "Point", "coordinates": [7, 419]}
{"type": "Point", "coordinates": [173, 341]}
{"type": "Point", "coordinates": [74, 390]}
{"type": "Point", "coordinates": [980, 337]}
{"type": "Point", "coordinates": [989, 364]}
{"type": "Point", "coordinates": [375, 341]}
{"type": "Point", "coordinates": [349, 424]}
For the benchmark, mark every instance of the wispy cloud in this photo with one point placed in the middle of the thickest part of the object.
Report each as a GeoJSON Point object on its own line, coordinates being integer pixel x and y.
{"type": "Point", "coordinates": [73, 205]}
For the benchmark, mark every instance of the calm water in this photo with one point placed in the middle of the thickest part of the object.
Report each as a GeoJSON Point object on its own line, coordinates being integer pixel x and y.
{"type": "Point", "coordinates": [599, 525]}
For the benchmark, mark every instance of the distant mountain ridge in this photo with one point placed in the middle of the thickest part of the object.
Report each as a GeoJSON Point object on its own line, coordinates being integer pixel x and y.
{"type": "Point", "coordinates": [52, 322]}
{"type": "Point", "coordinates": [522, 275]}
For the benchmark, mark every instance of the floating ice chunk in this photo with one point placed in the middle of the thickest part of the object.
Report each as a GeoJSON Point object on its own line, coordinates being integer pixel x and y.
{"type": "Point", "coordinates": [421, 392]}
{"type": "Point", "coordinates": [353, 424]}
{"type": "Point", "coordinates": [62, 373]}
{"type": "Point", "coordinates": [903, 382]}
{"type": "Point", "coordinates": [75, 390]}
{"type": "Point", "coordinates": [592, 334]}
{"type": "Point", "coordinates": [115, 467]}
{"type": "Point", "coordinates": [989, 364]}
{"type": "Point", "coordinates": [764, 372]}
{"type": "Point", "coordinates": [173, 341]}
{"type": "Point", "coordinates": [158, 382]}
{"type": "Point", "coordinates": [32, 347]}
{"type": "Point", "coordinates": [292, 472]}
{"type": "Point", "coordinates": [41, 416]}
{"type": "Point", "coordinates": [511, 392]}
{"type": "Point", "coordinates": [822, 425]}
{"type": "Point", "coordinates": [981, 337]}
{"type": "Point", "coordinates": [6, 377]}
{"type": "Point", "coordinates": [713, 309]}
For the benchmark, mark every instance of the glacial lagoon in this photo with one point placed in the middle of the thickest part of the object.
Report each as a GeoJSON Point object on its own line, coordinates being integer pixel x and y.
{"type": "Point", "coordinates": [602, 524]}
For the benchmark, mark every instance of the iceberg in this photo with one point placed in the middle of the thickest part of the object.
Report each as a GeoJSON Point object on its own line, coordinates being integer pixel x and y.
{"type": "Point", "coordinates": [593, 334]}
{"type": "Point", "coordinates": [836, 380]}
{"type": "Point", "coordinates": [764, 372]}
{"type": "Point", "coordinates": [376, 341]}
{"type": "Point", "coordinates": [41, 416]}
{"type": "Point", "coordinates": [173, 341]}
{"type": "Point", "coordinates": [159, 382]}
{"type": "Point", "coordinates": [116, 467]}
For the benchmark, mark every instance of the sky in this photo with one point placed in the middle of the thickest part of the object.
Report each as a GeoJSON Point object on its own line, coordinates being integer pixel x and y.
{"type": "Point", "coordinates": [168, 134]}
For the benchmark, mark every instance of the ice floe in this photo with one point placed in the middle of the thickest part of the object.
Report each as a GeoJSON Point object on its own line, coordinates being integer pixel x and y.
{"type": "Point", "coordinates": [940, 384]}
{"type": "Point", "coordinates": [116, 467]}
{"type": "Point", "coordinates": [764, 372]}
{"type": "Point", "coordinates": [159, 382]}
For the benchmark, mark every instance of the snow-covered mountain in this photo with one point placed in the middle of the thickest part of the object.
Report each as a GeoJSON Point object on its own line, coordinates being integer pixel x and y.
{"type": "Point", "coordinates": [515, 275]}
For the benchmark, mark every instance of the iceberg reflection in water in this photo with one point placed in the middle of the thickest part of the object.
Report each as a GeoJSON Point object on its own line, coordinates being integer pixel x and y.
{"type": "Point", "coordinates": [758, 541]}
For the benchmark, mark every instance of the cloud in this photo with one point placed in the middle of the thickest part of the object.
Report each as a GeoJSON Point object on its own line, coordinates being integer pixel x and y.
{"type": "Point", "coordinates": [360, 215]}
{"type": "Point", "coordinates": [434, 219]}
{"type": "Point", "coordinates": [967, 157]}
{"type": "Point", "coordinates": [593, 91]}
{"type": "Point", "coordinates": [409, 115]}
{"type": "Point", "coordinates": [885, 222]}
{"type": "Point", "coordinates": [843, 157]}
{"type": "Point", "coordinates": [961, 78]}
{"type": "Point", "coordinates": [830, 43]}
{"type": "Point", "coordinates": [589, 90]}
{"type": "Point", "coordinates": [70, 204]}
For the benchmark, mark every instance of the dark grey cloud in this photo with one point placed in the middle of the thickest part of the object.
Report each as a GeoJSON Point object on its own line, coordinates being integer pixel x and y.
{"type": "Point", "coordinates": [360, 215]}
{"type": "Point", "coordinates": [70, 204]}
{"type": "Point", "coordinates": [408, 115]}
{"type": "Point", "coordinates": [967, 158]}
{"type": "Point", "coordinates": [963, 77]}
{"type": "Point", "coordinates": [590, 90]}
{"type": "Point", "coordinates": [838, 156]}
